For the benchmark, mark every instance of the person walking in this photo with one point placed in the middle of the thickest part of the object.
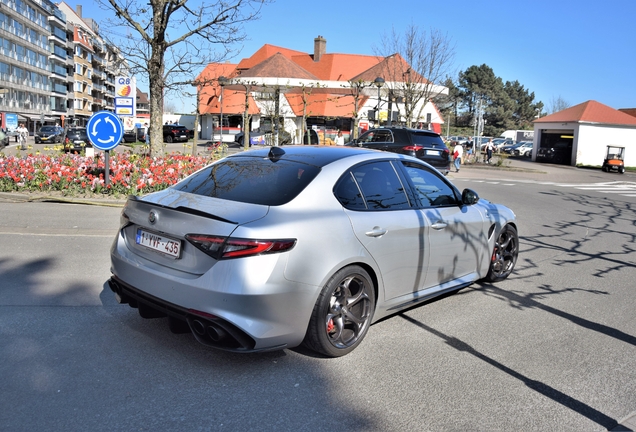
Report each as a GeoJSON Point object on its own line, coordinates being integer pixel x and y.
{"type": "Point", "coordinates": [459, 152]}
{"type": "Point", "coordinates": [23, 133]}
{"type": "Point", "coordinates": [489, 149]}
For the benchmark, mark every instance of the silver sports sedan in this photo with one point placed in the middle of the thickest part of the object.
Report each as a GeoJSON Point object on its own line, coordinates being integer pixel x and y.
{"type": "Point", "coordinates": [276, 247]}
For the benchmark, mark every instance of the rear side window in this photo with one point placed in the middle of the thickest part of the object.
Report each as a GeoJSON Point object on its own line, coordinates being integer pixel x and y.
{"type": "Point", "coordinates": [374, 186]}
{"type": "Point", "coordinates": [376, 136]}
{"type": "Point", "coordinates": [251, 180]}
{"type": "Point", "coordinates": [427, 139]}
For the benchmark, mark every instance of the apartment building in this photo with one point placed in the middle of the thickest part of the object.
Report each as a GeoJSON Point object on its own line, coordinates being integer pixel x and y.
{"type": "Point", "coordinates": [30, 55]}
{"type": "Point", "coordinates": [54, 66]}
{"type": "Point", "coordinates": [95, 66]}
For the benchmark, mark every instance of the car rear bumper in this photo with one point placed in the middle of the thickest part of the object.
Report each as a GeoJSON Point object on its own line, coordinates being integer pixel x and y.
{"type": "Point", "coordinates": [243, 300]}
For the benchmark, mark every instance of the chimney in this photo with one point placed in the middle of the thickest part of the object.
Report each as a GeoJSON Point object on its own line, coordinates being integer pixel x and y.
{"type": "Point", "coordinates": [320, 47]}
{"type": "Point", "coordinates": [79, 10]}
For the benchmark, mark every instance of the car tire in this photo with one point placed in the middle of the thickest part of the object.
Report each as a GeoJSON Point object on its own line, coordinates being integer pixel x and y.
{"type": "Point", "coordinates": [528, 153]}
{"type": "Point", "coordinates": [342, 314]}
{"type": "Point", "coordinates": [504, 255]}
{"type": "Point", "coordinates": [169, 139]}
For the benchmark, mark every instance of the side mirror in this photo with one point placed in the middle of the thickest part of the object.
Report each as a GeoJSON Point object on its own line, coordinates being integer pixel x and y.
{"type": "Point", "coordinates": [469, 197]}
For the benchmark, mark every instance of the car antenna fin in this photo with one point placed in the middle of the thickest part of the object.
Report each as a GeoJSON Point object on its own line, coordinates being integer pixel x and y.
{"type": "Point", "coordinates": [275, 154]}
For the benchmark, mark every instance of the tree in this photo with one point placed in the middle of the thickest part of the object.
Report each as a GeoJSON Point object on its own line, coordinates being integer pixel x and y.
{"type": "Point", "coordinates": [173, 40]}
{"type": "Point", "coordinates": [427, 59]}
{"type": "Point", "coordinates": [448, 104]}
{"type": "Point", "coordinates": [505, 106]}
{"type": "Point", "coordinates": [525, 109]}
{"type": "Point", "coordinates": [558, 104]}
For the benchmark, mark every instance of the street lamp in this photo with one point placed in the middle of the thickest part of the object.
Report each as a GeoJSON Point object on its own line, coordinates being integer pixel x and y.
{"type": "Point", "coordinates": [222, 82]}
{"type": "Point", "coordinates": [379, 82]}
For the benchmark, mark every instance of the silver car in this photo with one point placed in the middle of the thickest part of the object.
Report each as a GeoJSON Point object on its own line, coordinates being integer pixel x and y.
{"type": "Point", "coordinates": [272, 248]}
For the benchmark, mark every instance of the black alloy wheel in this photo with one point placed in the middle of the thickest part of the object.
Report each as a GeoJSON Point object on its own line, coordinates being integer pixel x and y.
{"type": "Point", "coordinates": [504, 255]}
{"type": "Point", "coordinates": [169, 139]}
{"type": "Point", "coordinates": [343, 313]}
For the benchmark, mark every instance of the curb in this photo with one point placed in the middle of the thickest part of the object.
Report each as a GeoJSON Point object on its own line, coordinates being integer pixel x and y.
{"type": "Point", "coordinates": [22, 197]}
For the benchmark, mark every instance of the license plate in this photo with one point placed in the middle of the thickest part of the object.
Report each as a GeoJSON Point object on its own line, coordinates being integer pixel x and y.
{"type": "Point", "coordinates": [165, 245]}
{"type": "Point", "coordinates": [183, 136]}
{"type": "Point", "coordinates": [432, 152]}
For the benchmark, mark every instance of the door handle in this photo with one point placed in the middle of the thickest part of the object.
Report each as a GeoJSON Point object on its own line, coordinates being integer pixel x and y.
{"type": "Point", "coordinates": [439, 225]}
{"type": "Point", "coordinates": [376, 232]}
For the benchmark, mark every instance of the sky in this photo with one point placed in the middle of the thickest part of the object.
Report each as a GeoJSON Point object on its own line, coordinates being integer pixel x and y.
{"type": "Point", "coordinates": [575, 50]}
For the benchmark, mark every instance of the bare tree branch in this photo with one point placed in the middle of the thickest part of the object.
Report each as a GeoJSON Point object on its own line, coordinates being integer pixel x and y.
{"type": "Point", "coordinates": [168, 42]}
{"type": "Point", "coordinates": [427, 61]}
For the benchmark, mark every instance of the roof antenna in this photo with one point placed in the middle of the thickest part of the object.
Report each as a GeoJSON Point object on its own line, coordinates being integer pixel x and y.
{"type": "Point", "coordinates": [275, 154]}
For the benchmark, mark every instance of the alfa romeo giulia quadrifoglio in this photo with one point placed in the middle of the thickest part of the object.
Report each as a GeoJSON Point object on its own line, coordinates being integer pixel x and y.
{"type": "Point", "coordinates": [276, 247]}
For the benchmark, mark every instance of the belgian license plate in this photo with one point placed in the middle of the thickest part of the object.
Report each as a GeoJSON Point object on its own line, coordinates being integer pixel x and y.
{"type": "Point", "coordinates": [162, 244]}
{"type": "Point", "coordinates": [432, 152]}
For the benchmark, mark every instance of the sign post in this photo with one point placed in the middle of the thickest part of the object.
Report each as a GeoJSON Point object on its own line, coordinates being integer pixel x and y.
{"type": "Point", "coordinates": [105, 131]}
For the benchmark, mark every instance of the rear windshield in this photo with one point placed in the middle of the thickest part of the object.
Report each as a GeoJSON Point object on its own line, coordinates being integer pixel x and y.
{"type": "Point", "coordinates": [251, 180]}
{"type": "Point", "coordinates": [427, 139]}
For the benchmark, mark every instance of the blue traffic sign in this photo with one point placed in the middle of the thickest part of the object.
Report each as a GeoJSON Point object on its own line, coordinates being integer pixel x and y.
{"type": "Point", "coordinates": [104, 130]}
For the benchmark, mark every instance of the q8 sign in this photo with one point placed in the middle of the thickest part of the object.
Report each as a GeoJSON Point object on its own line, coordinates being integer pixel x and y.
{"type": "Point", "coordinates": [125, 96]}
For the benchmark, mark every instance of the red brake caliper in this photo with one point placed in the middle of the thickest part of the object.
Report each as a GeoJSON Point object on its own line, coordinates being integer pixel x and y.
{"type": "Point", "coordinates": [330, 326]}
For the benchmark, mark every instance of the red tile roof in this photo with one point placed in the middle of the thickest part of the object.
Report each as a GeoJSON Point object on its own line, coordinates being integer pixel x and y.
{"type": "Point", "coordinates": [337, 67]}
{"type": "Point", "coordinates": [590, 112]}
{"type": "Point", "coordinates": [265, 52]}
{"type": "Point", "coordinates": [278, 66]}
{"type": "Point", "coordinates": [210, 92]}
{"type": "Point", "coordinates": [391, 68]}
{"type": "Point", "coordinates": [630, 111]}
{"type": "Point", "coordinates": [274, 61]}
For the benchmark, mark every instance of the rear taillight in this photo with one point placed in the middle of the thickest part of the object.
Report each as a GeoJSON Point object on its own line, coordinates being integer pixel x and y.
{"type": "Point", "coordinates": [225, 248]}
{"type": "Point", "coordinates": [413, 148]}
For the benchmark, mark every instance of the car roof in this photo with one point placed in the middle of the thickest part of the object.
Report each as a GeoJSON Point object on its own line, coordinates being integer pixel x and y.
{"type": "Point", "coordinates": [312, 154]}
{"type": "Point", "coordinates": [405, 129]}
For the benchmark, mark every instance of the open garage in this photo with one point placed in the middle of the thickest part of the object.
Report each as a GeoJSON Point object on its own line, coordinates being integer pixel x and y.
{"type": "Point", "coordinates": [580, 135]}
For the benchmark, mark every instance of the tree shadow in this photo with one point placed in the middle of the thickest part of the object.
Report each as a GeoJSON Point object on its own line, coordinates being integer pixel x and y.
{"type": "Point", "coordinates": [542, 388]}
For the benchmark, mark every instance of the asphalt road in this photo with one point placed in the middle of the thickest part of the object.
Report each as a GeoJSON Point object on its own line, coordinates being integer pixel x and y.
{"type": "Point", "coordinates": [551, 348]}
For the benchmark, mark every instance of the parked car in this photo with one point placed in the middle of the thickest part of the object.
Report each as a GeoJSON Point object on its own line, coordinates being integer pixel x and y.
{"type": "Point", "coordinates": [560, 153]}
{"type": "Point", "coordinates": [47, 134]}
{"type": "Point", "coordinates": [76, 140]}
{"type": "Point", "coordinates": [422, 144]}
{"type": "Point", "coordinates": [5, 139]}
{"type": "Point", "coordinates": [524, 149]}
{"type": "Point", "coordinates": [509, 148]}
{"type": "Point", "coordinates": [134, 135]}
{"type": "Point", "coordinates": [172, 133]}
{"type": "Point", "coordinates": [457, 140]}
{"type": "Point", "coordinates": [264, 136]}
{"type": "Point", "coordinates": [279, 246]}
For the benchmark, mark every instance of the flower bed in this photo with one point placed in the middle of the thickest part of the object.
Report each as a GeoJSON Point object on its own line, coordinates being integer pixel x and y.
{"type": "Point", "coordinates": [76, 175]}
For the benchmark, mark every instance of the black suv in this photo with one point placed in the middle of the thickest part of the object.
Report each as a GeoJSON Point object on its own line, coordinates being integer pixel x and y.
{"type": "Point", "coordinates": [172, 133]}
{"type": "Point", "coordinates": [425, 145]}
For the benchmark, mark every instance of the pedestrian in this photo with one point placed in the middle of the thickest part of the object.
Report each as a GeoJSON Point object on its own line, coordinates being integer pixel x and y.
{"type": "Point", "coordinates": [22, 136]}
{"type": "Point", "coordinates": [469, 150]}
{"type": "Point", "coordinates": [489, 148]}
{"type": "Point", "coordinates": [147, 132]}
{"type": "Point", "coordinates": [340, 139]}
{"type": "Point", "coordinates": [459, 151]}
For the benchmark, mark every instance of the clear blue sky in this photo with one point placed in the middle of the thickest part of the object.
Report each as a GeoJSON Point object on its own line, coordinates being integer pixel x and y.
{"type": "Point", "coordinates": [577, 50]}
